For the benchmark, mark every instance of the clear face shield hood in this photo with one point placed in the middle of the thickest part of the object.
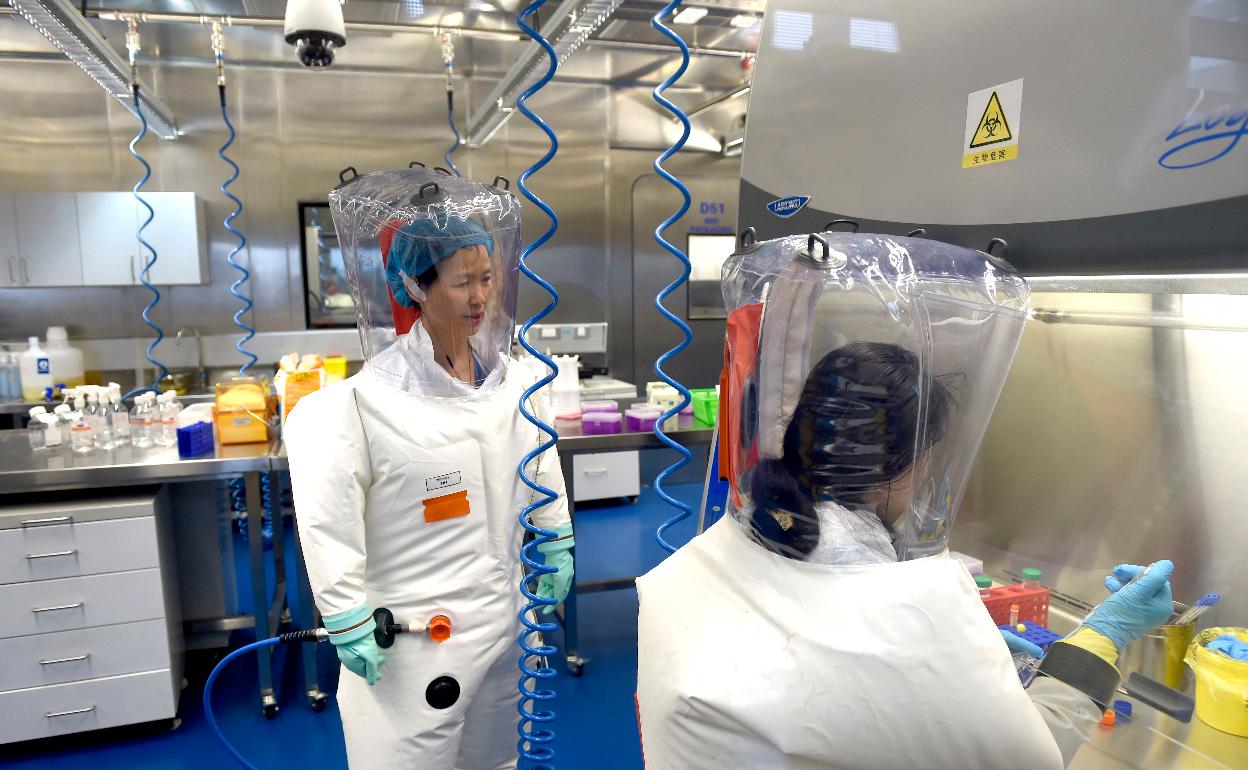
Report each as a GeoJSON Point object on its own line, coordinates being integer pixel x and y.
{"type": "Point", "coordinates": [432, 262]}
{"type": "Point", "coordinates": [862, 373]}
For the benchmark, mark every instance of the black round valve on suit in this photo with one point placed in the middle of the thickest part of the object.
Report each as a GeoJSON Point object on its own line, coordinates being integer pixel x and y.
{"type": "Point", "coordinates": [442, 692]}
{"type": "Point", "coordinates": [386, 628]}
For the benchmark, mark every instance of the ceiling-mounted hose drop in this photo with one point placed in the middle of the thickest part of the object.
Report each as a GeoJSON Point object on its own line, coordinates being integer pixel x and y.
{"type": "Point", "coordinates": [448, 64]}
{"type": "Point", "coordinates": [536, 715]}
{"type": "Point", "coordinates": [145, 275]}
{"type": "Point", "coordinates": [683, 510]}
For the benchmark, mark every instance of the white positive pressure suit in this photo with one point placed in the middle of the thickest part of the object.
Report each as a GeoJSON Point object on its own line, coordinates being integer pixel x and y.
{"type": "Point", "coordinates": [406, 491]}
{"type": "Point", "coordinates": [821, 624]}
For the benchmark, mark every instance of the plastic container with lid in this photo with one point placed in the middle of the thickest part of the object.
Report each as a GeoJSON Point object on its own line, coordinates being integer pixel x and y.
{"type": "Point", "coordinates": [66, 361]}
{"type": "Point", "coordinates": [642, 417]}
{"type": "Point", "coordinates": [601, 423]}
{"type": "Point", "coordinates": [1031, 577]}
{"type": "Point", "coordinates": [36, 370]}
{"type": "Point", "coordinates": [984, 584]}
{"type": "Point", "coordinates": [601, 405]}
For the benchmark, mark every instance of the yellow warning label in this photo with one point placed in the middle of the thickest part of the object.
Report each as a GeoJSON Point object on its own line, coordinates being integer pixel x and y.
{"type": "Point", "coordinates": [994, 123]}
{"type": "Point", "coordinates": [993, 128]}
{"type": "Point", "coordinates": [984, 157]}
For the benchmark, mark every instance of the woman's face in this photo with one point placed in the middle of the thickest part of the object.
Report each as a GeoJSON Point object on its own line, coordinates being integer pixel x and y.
{"type": "Point", "coordinates": [456, 302]}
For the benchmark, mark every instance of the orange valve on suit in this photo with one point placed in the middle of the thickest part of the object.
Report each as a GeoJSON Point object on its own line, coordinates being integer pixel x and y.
{"type": "Point", "coordinates": [440, 628]}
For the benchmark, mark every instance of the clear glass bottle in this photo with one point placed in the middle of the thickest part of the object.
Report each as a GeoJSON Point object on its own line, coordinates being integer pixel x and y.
{"type": "Point", "coordinates": [81, 437]}
{"type": "Point", "coordinates": [36, 430]}
{"type": "Point", "coordinates": [119, 418]}
{"type": "Point", "coordinates": [141, 422]}
{"type": "Point", "coordinates": [96, 415]}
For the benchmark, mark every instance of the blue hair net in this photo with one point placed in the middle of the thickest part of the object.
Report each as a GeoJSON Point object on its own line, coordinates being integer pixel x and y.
{"type": "Point", "coordinates": [422, 244]}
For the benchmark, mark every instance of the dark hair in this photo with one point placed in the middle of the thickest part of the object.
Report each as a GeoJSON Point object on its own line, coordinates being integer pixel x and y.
{"type": "Point", "coordinates": [426, 279]}
{"type": "Point", "coordinates": [853, 432]}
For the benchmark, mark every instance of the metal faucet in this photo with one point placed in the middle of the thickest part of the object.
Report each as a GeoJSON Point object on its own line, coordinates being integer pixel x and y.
{"type": "Point", "coordinates": [201, 373]}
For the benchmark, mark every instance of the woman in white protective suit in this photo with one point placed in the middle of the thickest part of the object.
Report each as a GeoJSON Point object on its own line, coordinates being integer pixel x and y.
{"type": "Point", "coordinates": [405, 476]}
{"type": "Point", "coordinates": [821, 624]}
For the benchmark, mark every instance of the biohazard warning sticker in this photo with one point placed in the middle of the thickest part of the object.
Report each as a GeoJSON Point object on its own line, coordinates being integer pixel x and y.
{"type": "Point", "coordinates": [994, 118]}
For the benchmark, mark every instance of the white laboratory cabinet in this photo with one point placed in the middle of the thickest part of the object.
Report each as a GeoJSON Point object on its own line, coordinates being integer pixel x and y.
{"type": "Point", "coordinates": [9, 265]}
{"type": "Point", "coordinates": [91, 633]}
{"type": "Point", "coordinates": [47, 239]}
{"type": "Point", "coordinates": [603, 475]}
{"type": "Point", "coordinates": [108, 238]}
{"type": "Point", "coordinates": [90, 239]}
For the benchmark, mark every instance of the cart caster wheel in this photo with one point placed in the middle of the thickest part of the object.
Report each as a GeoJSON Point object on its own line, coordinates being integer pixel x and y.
{"type": "Point", "coordinates": [318, 704]}
{"type": "Point", "coordinates": [270, 710]}
{"type": "Point", "coordinates": [576, 666]}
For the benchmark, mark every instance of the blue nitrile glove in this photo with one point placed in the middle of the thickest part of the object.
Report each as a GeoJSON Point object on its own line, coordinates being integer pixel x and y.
{"type": "Point", "coordinates": [351, 633]}
{"type": "Point", "coordinates": [1230, 646]}
{"type": "Point", "coordinates": [558, 555]}
{"type": "Point", "coordinates": [1018, 644]}
{"type": "Point", "coordinates": [1135, 608]}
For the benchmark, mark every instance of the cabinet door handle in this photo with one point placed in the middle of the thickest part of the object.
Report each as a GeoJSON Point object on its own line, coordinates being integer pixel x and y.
{"type": "Point", "coordinates": [74, 659]}
{"type": "Point", "coordinates": [25, 271]}
{"type": "Point", "coordinates": [57, 608]}
{"type": "Point", "coordinates": [55, 714]}
{"type": "Point", "coordinates": [46, 522]}
{"type": "Point", "coordinates": [133, 277]}
{"type": "Point", "coordinates": [12, 276]}
{"type": "Point", "coordinates": [594, 472]}
{"type": "Point", "coordinates": [51, 554]}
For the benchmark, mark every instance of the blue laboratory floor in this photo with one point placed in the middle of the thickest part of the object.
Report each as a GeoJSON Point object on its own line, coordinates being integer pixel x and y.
{"type": "Point", "coordinates": [597, 725]}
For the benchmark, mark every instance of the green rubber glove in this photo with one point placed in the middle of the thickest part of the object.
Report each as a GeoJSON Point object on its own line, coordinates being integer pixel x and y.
{"type": "Point", "coordinates": [351, 633]}
{"type": "Point", "coordinates": [1136, 607]}
{"type": "Point", "coordinates": [557, 585]}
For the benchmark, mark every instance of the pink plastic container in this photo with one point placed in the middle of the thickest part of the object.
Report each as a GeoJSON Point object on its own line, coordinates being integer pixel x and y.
{"type": "Point", "coordinates": [601, 423]}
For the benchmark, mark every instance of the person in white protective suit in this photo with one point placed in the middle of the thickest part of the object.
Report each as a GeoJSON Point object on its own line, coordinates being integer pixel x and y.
{"type": "Point", "coordinates": [821, 624]}
{"type": "Point", "coordinates": [405, 477]}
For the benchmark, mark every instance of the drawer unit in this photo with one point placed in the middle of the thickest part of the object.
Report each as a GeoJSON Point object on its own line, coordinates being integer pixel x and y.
{"type": "Point", "coordinates": [78, 548]}
{"type": "Point", "coordinates": [80, 602]}
{"type": "Point", "coordinates": [43, 712]}
{"type": "Point", "coordinates": [89, 653]}
{"type": "Point", "coordinates": [605, 474]}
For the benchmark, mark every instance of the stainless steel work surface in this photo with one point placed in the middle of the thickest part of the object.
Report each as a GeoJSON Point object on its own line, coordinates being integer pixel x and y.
{"type": "Point", "coordinates": [1151, 739]}
{"type": "Point", "coordinates": [22, 470]}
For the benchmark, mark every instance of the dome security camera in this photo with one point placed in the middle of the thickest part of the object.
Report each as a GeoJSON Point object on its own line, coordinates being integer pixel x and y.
{"type": "Point", "coordinates": [316, 30]}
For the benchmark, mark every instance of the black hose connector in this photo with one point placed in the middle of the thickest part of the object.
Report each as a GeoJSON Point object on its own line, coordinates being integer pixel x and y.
{"type": "Point", "coordinates": [306, 635]}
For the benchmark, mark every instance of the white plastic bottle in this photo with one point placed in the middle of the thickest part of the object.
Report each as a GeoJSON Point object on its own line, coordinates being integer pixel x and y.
{"type": "Point", "coordinates": [66, 361]}
{"type": "Point", "coordinates": [97, 417]}
{"type": "Point", "coordinates": [81, 436]}
{"type": "Point", "coordinates": [169, 418]}
{"type": "Point", "coordinates": [36, 368]}
{"type": "Point", "coordinates": [36, 430]}
{"type": "Point", "coordinates": [141, 421]}
{"type": "Point", "coordinates": [118, 417]}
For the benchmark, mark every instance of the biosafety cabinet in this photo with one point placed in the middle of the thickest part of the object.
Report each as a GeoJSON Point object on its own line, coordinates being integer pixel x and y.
{"type": "Point", "coordinates": [1106, 145]}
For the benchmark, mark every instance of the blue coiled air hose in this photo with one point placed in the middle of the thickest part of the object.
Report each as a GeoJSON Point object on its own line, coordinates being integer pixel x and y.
{"type": "Point", "coordinates": [450, 118]}
{"type": "Point", "coordinates": [535, 726]}
{"type": "Point", "coordinates": [684, 511]}
{"type": "Point", "coordinates": [237, 286]}
{"type": "Point", "coordinates": [145, 274]}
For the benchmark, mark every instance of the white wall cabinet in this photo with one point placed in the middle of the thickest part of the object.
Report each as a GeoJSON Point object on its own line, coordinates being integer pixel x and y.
{"type": "Point", "coordinates": [90, 239]}
{"type": "Point", "coordinates": [106, 238]}
{"type": "Point", "coordinates": [9, 265]}
{"type": "Point", "coordinates": [47, 239]}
